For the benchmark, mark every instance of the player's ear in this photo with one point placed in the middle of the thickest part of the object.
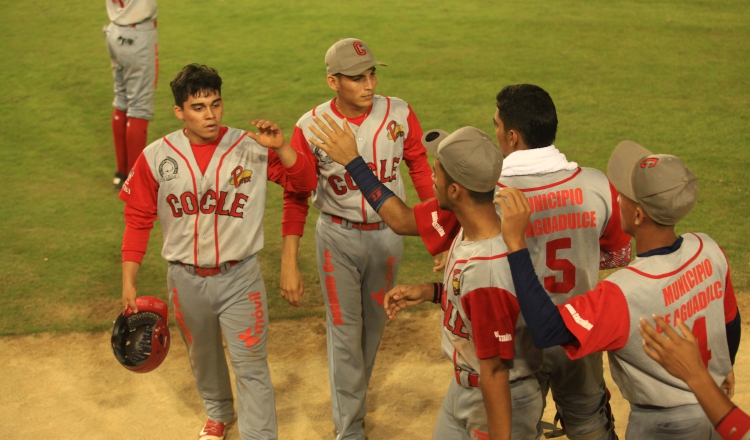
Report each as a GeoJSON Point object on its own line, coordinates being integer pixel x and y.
{"type": "Point", "coordinates": [178, 113]}
{"type": "Point", "coordinates": [333, 82]}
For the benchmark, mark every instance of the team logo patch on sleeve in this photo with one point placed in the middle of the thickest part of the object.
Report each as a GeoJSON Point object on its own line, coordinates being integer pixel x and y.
{"type": "Point", "coordinates": [395, 131]}
{"type": "Point", "coordinates": [240, 176]}
{"type": "Point", "coordinates": [168, 169]}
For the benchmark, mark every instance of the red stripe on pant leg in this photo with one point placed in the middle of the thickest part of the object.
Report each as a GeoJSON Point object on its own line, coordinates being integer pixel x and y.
{"type": "Point", "coordinates": [179, 317]}
{"type": "Point", "coordinates": [119, 124]}
{"type": "Point", "coordinates": [333, 295]}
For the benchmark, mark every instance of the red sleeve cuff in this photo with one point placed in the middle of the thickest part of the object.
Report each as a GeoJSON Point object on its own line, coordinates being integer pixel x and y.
{"type": "Point", "coordinates": [134, 256]}
{"type": "Point", "coordinates": [437, 228]}
{"type": "Point", "coordinates": [735, 425]}
{"type": "Point", "coordinates": [298, 165]}
{"type": "Point", "coordinates": [425, 192]}
{"type": "Point", "coordinates": [292, 228]}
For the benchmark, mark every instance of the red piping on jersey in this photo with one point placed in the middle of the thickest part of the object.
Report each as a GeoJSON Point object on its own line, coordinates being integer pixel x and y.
{"type": "Point", "coordinates": [216, 213]}
{"type": "Point", "coordinates": [375, 150]}
{"type": "Point", "coordinates": [578, 171]}
{"type": "Point", "coordinates": [679, 269]}
{"type": "Point", "coordinates": [198, 211]}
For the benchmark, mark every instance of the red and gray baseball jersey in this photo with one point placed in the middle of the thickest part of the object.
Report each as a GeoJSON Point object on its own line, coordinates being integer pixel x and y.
{"type": "Point", "coordinates": [574, 217]}
{"type": "Point", "coordinates": [481, 316]}
{"type": "Point", "coordinates": [203, 212]}
{"type": "Point", "coordinates": [386, 136]}
{"type": "Point", "coordinates": [128, 12]}
{"type": "Point", "coordinates": [691, 283]}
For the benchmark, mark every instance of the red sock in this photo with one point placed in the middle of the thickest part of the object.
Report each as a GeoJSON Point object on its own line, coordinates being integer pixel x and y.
{"type": "Point", "coordinates": [119, 121]}
{"type": "Point", "coordinates": [137, 129]}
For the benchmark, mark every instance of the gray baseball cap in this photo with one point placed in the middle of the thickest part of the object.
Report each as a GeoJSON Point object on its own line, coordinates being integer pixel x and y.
{"type": "Point", "coordinates": [660, 183]}
{"type": "Point", "coordinates": [467, 155]}
{"type": "Point", "coordinates": [350, 57]}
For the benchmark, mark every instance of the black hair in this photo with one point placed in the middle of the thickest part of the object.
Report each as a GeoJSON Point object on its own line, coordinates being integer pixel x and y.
{"type": "Point", "coordinates": [529, 110]}
{"type": "Point", "coordinates": [193, 80]}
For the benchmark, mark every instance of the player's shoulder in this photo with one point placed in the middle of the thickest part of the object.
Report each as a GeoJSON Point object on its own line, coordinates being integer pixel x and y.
{"type": "Point", "coordinates": [394, 101]}
{"type": "Point", "coordinates": [315, 111]}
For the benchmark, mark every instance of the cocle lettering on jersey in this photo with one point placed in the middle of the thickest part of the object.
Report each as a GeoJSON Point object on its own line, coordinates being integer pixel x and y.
{"type": "Point", "coordinates": [692, 278]}
{"type": "Point", "coordinates": [333, 295]}
{"type": "Point", "coordinates": [342, 185]}
{"type": "Point", "coordinates": [188, 204]}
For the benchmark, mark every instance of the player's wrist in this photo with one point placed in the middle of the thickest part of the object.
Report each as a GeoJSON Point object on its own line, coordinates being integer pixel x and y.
{"type": "Point", "coordinates": [375, 192]}
{"type": "Point", "coordinates": [437, 292]}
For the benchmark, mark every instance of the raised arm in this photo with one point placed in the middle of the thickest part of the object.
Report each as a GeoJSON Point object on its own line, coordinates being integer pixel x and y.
{"type": "Point", "coordinates": [340, 145]}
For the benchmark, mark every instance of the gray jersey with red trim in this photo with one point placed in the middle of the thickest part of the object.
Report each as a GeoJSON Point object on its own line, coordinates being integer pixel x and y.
{"type": "Point", "coordinates": [473, 266]}
{"type": "Point", "coordinates": [127, 12]}
{"type": "Point", "coordinates": [203, 215]}
{"type": "Point", "coordinates": [380, 140]}
{"type": "Point", "coordinates": [570, 211]}
{"type": "Point", "coordinates": [688, 284]}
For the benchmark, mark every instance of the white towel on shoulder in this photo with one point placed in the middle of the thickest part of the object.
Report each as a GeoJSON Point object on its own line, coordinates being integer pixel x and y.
{"type": "Point", "coordinates": [536, 161]}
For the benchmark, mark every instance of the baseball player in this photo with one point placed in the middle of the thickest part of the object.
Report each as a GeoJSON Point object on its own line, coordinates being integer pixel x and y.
{"type": "Point", "coordinates": [470, 325]}
{"type": "Point", "coordinates": [207, 186]}
{"type": "Point", "coordinates": [358, 255]}
{"type": "Point", "coordinates": [133, 45]}
{"type": "Point", "coordinates": [564, 254]}
{"type": "Point", "coordinates": [685, 278]}
{"type": "Point", "coordinates": [681, 357]}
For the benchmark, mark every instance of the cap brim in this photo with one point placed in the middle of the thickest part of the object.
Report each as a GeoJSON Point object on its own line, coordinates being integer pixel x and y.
{"type": "Point", "coordinates": [623, 160]}
{"type": "Point", "coordinates": [358, 69]}
{"type": "Point", "coordinates": [431, 140]}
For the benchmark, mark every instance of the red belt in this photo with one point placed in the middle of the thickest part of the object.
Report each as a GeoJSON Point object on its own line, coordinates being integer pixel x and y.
{"type": "Point", "coordinates": [473, 378]}
{"type": "Point", "coordinates": [360, 226]}
{"type": "Point", "coordinates": [209, 271]}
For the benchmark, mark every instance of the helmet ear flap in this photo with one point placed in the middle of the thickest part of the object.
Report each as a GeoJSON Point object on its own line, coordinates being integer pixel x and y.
{"type": "Point", "coordinates": [140, 341]}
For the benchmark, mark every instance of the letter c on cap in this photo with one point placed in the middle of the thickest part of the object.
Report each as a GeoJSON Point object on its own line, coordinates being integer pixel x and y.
{"type": "Point", "coordinates": [359, 48]}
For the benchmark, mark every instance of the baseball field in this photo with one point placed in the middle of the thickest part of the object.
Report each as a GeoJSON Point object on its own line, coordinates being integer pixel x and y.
{"type": "Point", "coordinates": [672, 76]}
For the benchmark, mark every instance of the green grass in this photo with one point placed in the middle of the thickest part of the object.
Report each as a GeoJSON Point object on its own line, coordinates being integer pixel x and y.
{"type": "Point", "coordinates": [669, 75]}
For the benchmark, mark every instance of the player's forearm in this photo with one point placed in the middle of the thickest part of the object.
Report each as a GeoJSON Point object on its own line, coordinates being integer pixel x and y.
{"type": "Point", "coordinates": [542, 317]}
{"type": "Point", "coordinates": [290, 248]}
{"type": "Point", "coordinates": [391, 209]}
{"type": "Point", "coordinates": [287, 154]}
{"type": "Point", "coordinates": [710, 397]}
{"type": "Point", "coordinates": [495, 385]}
{"type": "Point", "coordinates": [129, 273]}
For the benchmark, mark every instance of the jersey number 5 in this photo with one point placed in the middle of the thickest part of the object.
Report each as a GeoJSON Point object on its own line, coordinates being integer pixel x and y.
{"type": "Point", "coordinates": [568, 269]}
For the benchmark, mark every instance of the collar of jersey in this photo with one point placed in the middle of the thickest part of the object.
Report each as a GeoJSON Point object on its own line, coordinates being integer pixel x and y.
{"type": "Point", "coordinates": [356, 121]}
{"type": "Point", "coordinates": [663, 250]}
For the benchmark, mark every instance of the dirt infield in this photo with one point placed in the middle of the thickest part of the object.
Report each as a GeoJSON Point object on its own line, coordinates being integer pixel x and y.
{"type": "Point", "coordinates": [70, 386]}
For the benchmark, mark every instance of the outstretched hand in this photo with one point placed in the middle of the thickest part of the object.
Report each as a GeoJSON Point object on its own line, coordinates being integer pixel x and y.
{"type": "Point", "coordinates": [678, 355]}
{"type": "Point", "coordinates": [338, 143]}
{"type": "Point", "coordinates": [269, 134]}
{"type": "Point", "coordinates": [401, 297]}
{"type": "Point", "coordinates": [516, 215]}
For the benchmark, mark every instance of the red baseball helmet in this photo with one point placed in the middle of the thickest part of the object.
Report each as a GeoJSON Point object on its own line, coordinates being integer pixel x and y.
{"type": "Point", "coordinates": [141, 340]}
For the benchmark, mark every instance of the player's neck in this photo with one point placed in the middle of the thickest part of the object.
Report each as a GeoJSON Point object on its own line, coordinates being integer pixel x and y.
{"type": "Point", "coordinates": [480, 222]}
{"type": "Point", "coordinates": [654, 237]}
{"type": "Point", "coordinates": [349, 110]}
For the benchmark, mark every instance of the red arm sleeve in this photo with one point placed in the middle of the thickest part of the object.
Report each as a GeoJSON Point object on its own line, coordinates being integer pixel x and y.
{"type": "Point", "coordinates": [437, 228]}
{"type": "Point", "coordinates": [302, 176]}
{"type": "Point", "coordinates": [415, 156]}
{"type": "Point", "coordinates": [734, 426]}
{"type": "Point", "coordinates": [295, 202]}
{"type": "Point", "coordinates": [494, 314]}
{"type": "Point", "coordinates": [600, 320]}
{"type": "Point", "coordinates": [139, 193]}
